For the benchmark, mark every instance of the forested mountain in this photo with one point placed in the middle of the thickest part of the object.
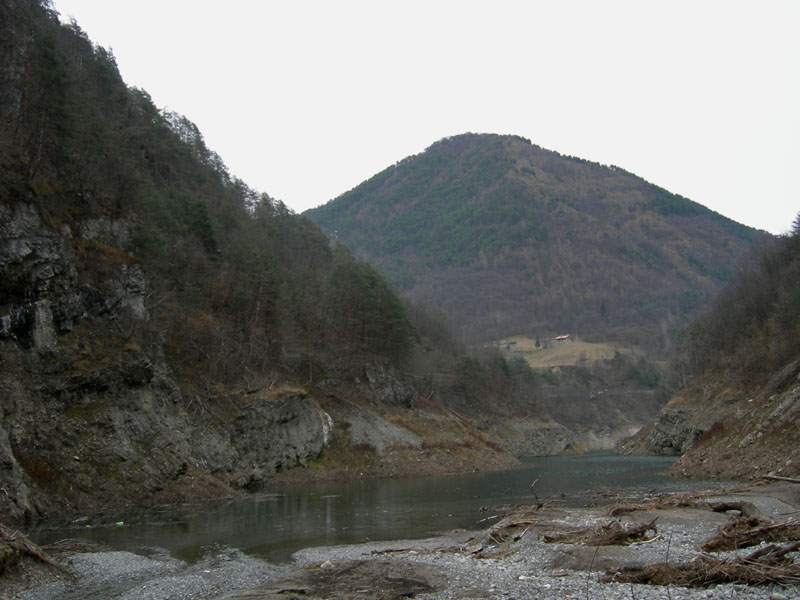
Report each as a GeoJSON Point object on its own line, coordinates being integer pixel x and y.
{"type": "Point", "coordinates": [508, 238]}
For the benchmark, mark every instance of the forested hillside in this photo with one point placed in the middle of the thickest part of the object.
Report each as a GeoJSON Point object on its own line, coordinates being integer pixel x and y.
{"type": "Point", "coordinates": [736, 407]}
{"type": "Point", "coordinates": [508, 238]}
{"type": "Point", "coordinates": [752, 329]}
{"type": "Point", "coordinates": [238, 281]}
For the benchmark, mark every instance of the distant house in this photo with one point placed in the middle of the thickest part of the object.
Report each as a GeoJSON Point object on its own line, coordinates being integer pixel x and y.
{"type": "Point", "coordinates": [508, 346]}
{"type": "Point", "coordinates": [557, 341]}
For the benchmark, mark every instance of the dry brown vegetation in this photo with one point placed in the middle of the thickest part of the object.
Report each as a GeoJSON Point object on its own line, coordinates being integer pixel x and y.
{"type": "Point", "coordinates": [767, 565]}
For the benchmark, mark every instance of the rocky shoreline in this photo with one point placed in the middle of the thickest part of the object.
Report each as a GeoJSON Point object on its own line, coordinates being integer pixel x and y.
{"type": "Point", "coordinates": [519, 556]}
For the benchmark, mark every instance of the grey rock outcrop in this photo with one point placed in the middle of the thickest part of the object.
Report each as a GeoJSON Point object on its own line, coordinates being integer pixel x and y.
{"type": "Point", "coordinates": [42, 294]}
{"type": "Point", "coordinates": [127, 429]}
{"type": "Point", "coordinates": [113, 232]}
{"type": "Point", "coordinates": [672, 433]}
{"type": "Point", "coordinates": [85, 419]}
{"type": "Point", "coordinates": [755, 435]}
{"type": "Point", "coordinates": [275, 434]}
{"type": "Point", "coordinates": [14, 492]}
{"type": "Point", "coordinates": [35, 261]}
{"type": "Point", "coordinates": [387, 389]}
{"type": "Point", "coordinates": [368, 429]}
{"type": "Point", "coordinates": [526, 438]}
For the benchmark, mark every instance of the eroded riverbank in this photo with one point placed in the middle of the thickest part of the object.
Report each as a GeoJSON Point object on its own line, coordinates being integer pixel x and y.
{"type": "Point", "coordinates": [511, 559]}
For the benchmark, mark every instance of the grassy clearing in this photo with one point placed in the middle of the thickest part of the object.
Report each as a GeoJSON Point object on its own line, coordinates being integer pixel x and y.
{"type": "Point", "coordinates": [564, 355]}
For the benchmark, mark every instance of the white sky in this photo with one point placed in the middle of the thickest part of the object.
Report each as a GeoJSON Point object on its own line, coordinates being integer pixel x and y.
{"type": "Point", "coordinates": [305, 99]}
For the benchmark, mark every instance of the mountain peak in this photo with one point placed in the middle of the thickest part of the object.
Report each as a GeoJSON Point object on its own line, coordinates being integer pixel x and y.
{"type": "Point", "coordinates": [509, 238]}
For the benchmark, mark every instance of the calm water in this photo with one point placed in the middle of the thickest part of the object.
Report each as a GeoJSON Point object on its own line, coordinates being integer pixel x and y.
{"type": "Point", "coordinates": [355, 511]}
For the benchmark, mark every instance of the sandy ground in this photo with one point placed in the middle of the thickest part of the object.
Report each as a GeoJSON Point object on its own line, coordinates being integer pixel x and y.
{"type": "Point", "coordinates": [511, 559]}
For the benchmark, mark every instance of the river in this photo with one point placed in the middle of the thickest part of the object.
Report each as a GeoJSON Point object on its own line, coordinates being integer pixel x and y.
{"type": "Point", "coordinates": [275, 525]}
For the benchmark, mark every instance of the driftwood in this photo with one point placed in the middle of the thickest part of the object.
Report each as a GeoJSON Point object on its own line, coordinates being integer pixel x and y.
{"type": "Point", "coordinates": [744, 532]}
{"type": "Point", "coordinates": [767, 565]}
{"type": "Point", "coordinates": [779, 478]}
{"type": "Point", "coordinates": [496, 542]}
{"type": "Point", "coordinates": [686, 500]}
{"type": "Point", "coordinates": [440, 550]}
{"type": "Point", "coordinates": [14, 545]}
{"type": "Point", "coordinates": [663, 502]}
{"type": "Point", "coordinates": [608, 534]}
{"type": "Point", "coordinates": [499, 539]}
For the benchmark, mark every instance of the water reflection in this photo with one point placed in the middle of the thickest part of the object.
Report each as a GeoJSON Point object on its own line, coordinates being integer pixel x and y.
{"type": "Point", "coordinates": [361, 510]}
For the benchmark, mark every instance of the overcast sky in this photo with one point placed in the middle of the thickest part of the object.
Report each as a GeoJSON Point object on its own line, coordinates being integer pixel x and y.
{"type": "Point", "coordinates": [304, 100]}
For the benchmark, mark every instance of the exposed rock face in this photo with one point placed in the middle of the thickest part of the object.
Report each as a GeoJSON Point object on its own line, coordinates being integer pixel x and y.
{"type": "Point", "coordinates": [722, 430]}
{"type": "Point", "coordinates": [34, 260]}
{"type": "Point", "coordinates": [526, 438]}
{"type": "Point", "coordinates": [125, 432]}
{"type": "Point", "coordinates": [672, 433]}
{"type": "Point", "coordinates": [388, 389]}
{"type": "Point", "coordinates": [86, 419]}
{"type": "Point", "coordinates": [272, 435]}
{"type": "Point", "coordinates": [43, 293]}
{"type": "Point", "coordinates": [366, 428]}
{"type": "Point", "coordinates": [14, 492]}
{"type": "Point", "coordinates": [570, 422]}
{"type": "Point", "coordinates": [114, 232]}
{"type": "Point", "coordinates": [759, 437]}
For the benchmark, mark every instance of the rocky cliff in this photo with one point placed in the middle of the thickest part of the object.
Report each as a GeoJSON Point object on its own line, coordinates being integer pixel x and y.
{"type": "Point", "coordinates": [91, 412]}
